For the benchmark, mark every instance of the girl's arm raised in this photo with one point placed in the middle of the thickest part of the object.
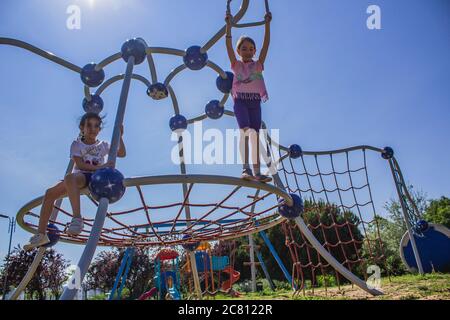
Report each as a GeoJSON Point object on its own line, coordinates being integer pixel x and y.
{"type": "Point", "coordinates": [229, 43]}
{"type": "Point", "coordinates": [265, 47]}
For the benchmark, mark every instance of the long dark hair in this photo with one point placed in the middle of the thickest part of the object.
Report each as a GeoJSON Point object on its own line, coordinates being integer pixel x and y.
{"type": "Point", "coordinates": [86, 117]}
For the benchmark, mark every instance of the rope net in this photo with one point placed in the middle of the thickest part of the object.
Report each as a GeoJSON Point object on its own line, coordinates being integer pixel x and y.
{"type": "Point", "coordinates": [339, 211]}
{"type": "Point", "coordinates": [216, 212]}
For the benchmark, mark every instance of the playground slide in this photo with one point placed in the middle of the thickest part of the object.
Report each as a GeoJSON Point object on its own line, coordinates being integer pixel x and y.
{"type": "Point", "coordinates": [234, 277]}
{"type": "Point", "coordinates": [148, 294]}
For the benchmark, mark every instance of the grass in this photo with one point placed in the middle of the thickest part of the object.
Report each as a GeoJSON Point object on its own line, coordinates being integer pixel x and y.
{"type": "Point", "coordinates": [434, 286]}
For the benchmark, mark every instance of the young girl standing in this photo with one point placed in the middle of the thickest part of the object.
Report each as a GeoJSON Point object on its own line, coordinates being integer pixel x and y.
{"type": "Point", "coordinates": [89, 155]}
{"type": "Point", "coordinates": [248, 91]}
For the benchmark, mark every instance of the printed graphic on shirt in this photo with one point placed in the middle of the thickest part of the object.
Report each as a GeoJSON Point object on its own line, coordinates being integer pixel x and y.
{"type": "Point", "coordinates": [91, 154]}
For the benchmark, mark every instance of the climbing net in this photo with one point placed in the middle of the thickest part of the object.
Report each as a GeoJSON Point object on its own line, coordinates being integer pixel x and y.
{"type": "Point", "coordinates": [339, 210]}
{"type": "Point", "coordinates": [159, 222]}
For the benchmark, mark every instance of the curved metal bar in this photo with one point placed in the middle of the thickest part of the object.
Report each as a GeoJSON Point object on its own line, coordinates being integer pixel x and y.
{"type": "Point", "coordinates": [400, 186]}
{"type": "Point", "coordinates": [119, 77]}
{"type": "Point", "coordinates": [216, 68]}
{"type": "Point", "coordinates": [174, 73]}
{"type": "Point", "coordinates": [30, 273]}
{"type": "Point", "coordinates": [108, 61]}
{"type": "Point", "coordinates": [248, 25]}
{"type": "Point", "coordinates": [173, 97]}
{"type": "Point", "coordinates": [332, 261]}
{"type": "Point", "coordinates": [40, 254]}
{"type": "Point", "coordinates": [207, 179]}
{"type": "Point", "coordinates": [163, 50]}
{"type": "Point", "coordinates": [224, 99]}
{"type": "Point", "coordinates": [199, 118]}
{"type": "Point", "coordinates": [152, 67]}
{"type": "Point", "coordinates": [45, 54]}
{"type": "Point", "coordinates": [221, 32]}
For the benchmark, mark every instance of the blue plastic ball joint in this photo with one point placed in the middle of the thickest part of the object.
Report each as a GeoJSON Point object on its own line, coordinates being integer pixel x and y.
{"type": "Point", "coordinates": [295, 151]}
{"type": "Point", "coordinates": [214, 110]}
{"type": "Point", "coordinates": [387, 153]}
{"type": "Point", "coordinates": [194, 59]}
{"type": "Point", "coordinates": [157, 91]}
{"type": "Point", "coordinates": [422, 225]}
{"type": "Point", "coordinates": [178, 122]}
{"type": "Point", "coordinates": [136, 48]}
{"type": "Point", "coordinates": [107, 183]}
{"type": "Point", "coordinates": [92, 77]}
{"type": "Point", "coordinates": [294, 211]}
{"type": "Point", "coordinates": [53, 235]}
{"type": "Point", "coordinates": [95, 105]}
{"type": "Point", "coordinates": [225, 85]}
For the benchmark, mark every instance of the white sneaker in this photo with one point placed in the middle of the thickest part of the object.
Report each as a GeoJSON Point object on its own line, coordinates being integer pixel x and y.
{"type": "Point", "coordinates": [75, 226]}
{"type": "Point", "coordinates": [38, 240]}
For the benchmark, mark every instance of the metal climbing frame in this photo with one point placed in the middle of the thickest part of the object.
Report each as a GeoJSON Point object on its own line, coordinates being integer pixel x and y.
{"type": "Point", "coordinates": [94, 237]}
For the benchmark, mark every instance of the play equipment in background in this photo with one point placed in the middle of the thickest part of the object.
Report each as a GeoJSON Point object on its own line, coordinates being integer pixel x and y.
{"type": "Point", "coordinates": [167, 275]}
{"type": "Point", "coordinates": [279, 201]}
{"type": "Point", "coordinates": [213, 268]}
{"type": "Point", "coordinates": [433, 243]}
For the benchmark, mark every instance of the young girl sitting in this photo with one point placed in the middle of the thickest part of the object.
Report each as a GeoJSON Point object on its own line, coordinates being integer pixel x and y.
{"type": "Point", "coordinates": [89, 155]}
{"type": "Point", "coordinates": [248, 91]}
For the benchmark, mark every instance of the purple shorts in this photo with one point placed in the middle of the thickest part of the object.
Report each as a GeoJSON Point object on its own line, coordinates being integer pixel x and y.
{"type": "Point", "coordinates": [248, 113]}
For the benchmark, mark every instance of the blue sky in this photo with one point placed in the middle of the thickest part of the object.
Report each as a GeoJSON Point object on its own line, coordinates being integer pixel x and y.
{"type": "Point", "coordinates": [332, 83]}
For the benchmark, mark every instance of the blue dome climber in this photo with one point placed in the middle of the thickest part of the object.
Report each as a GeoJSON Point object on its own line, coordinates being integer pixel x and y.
{"type": "Point", "coordinates": [194, 59]}
{"type": "Point", "coordinates": [214, 110]}
{"type": "Point", "coordinates": [91, 77]}
{"type": "Point", "coordinates": [433, 246]}
{"type": "Point", "coordinates": [107, 183]}
{"type": "Point", "coordinates": [95, 105]}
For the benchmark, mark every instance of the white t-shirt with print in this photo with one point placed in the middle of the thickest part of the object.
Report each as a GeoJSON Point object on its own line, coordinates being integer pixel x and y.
{"type": "Point", "coordinates": [94, 154]}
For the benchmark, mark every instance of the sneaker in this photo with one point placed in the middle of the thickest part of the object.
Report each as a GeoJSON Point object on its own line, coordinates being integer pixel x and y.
{"type": "Point", "coordinates": [247, 174]}
{"type": "Point", "coordinates": [262, 178]}
{"type": "Point", "coordinates": [75, 226]}
{"type": "Point", "coordinates": [38, 240]}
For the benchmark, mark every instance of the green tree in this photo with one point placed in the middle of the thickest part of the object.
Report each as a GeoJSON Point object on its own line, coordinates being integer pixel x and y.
{"type": "Point", "coordinates": [393, 227]}
{"type": "Point", "coordinates": [438, 211]}
{"type": "Point", "coordinates": [103, 271]}
{"type": "Point", "coordinates": [50, 275]}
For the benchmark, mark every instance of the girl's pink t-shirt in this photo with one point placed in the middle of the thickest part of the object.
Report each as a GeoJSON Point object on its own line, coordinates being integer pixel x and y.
{"type": "Point", "coordinates": [248, 82]}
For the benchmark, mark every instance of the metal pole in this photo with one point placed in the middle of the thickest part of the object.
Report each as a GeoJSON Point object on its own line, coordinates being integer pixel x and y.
{"type": "Point", "coordinates": [277, 257]}
{"type": "Point", "coordinates": [11, 229]}
{"type": "Point", "coordinates": [40, 254]}
{"type": "Point", "coordinates": [252, 261]}
{"type": "Point", "coordinates": [408, 224]}
{"type": "Point", "coordinates": [70, 291]}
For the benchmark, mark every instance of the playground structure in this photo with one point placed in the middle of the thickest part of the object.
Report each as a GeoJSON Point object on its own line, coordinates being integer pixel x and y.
{"type": "Point", "coordinates": [232, 215]}
{"type": "Point", "coordinates": [212, 268]}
